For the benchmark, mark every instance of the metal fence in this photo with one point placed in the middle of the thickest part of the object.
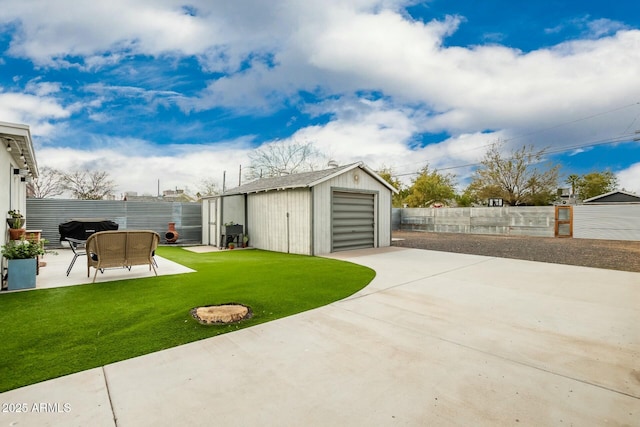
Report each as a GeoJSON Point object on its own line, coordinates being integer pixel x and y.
{"type": "Point", "coordinates": [47, 214]}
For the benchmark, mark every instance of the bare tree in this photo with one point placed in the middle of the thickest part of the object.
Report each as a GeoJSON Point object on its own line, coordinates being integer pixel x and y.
{"type": "Point", "coordinates": [516, 177]}
{"type": "Point", "coordinates": [280, 158]}
{"type": "Point", "coordinates": [47, 184]}
{"type": "Point", "coordinates": [208, 187]}
{"type": "Point", "coordinates": [88, 185]}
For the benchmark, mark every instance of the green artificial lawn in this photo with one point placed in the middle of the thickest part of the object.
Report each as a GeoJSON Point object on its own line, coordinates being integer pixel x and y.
{"type": "Point", "coordinates": [48, 333]}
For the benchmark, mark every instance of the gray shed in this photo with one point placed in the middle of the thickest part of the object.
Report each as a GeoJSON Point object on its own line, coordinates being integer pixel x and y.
{"type": "Point", "coordinates": [311, 213]}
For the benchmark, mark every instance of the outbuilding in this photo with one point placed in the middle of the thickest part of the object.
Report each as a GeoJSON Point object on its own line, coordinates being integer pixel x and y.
{"type": "Point", "coordinates": [312, 213]}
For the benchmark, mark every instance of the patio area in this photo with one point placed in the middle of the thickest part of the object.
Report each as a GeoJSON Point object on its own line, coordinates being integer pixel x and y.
{"type": "Point", "coordinates": [53, 270]}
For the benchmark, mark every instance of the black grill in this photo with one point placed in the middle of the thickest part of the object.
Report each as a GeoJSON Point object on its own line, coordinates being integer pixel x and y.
{"type": "Point", "coordinates": [82, 228]}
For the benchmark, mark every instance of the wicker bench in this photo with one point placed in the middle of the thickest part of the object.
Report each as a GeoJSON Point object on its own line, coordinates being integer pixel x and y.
{"type": "Point", "coordinates": [124, 248]}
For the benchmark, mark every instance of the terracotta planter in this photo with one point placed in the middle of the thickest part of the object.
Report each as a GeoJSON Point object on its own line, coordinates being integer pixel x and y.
{"type": "Point", "coordinates": [16, 233]}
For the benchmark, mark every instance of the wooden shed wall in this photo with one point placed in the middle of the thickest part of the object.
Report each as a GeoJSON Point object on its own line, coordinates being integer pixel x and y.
{"type": "Point", "coordinates": [347, 182]}
{"type": "Point", "coordinates": [271, 229]}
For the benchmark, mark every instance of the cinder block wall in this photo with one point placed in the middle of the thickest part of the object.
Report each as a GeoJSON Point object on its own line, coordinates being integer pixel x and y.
{"type": "Point", "coordinates": [521, 221]}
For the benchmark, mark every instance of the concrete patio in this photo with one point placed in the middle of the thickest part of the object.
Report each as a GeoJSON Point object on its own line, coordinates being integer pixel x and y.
{"type": "Point", "coordinates": [436, 339]}
{"type": "Point", "coordinates": [53, 274]}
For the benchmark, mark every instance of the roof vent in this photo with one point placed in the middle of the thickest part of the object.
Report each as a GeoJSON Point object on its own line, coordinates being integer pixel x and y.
{"type": "Point", "coordinates": [332, 164]}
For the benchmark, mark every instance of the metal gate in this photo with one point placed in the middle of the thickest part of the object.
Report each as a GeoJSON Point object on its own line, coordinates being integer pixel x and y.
{"type": "Point", "coordinates": [353, 221]}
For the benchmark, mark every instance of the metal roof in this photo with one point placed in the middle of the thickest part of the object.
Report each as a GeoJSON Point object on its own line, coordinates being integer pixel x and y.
{"type": "Point", "coordinates": [301, 180]}
{"type": "Point", "coordinates": [617, 196]}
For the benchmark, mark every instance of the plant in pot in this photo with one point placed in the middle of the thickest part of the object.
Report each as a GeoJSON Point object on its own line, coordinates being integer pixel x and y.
{"type": "Point", "coordinates": [245, 241]}
{"type": "Point", "coordinates": [22, 262]}
{"type": "Point", "coordinates": [15, 222]}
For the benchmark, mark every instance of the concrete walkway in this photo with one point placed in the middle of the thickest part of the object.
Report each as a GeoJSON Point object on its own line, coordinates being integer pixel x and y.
{"type": "Point", "coordinates": [436, 339]}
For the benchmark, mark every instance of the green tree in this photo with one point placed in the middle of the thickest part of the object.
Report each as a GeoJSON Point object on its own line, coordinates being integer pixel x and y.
{"type": "Point", "coordinates": [431, 187]}
{"type": "Point", "coordinates": [397, 199]}
{"type": "Point", "coordinates": [519, 177]}
{"type": "Point", "coordinates": [596, 183]}
{"type": "Point", "coordinates": [573, 181]}
{"type": "Point", "coordinates": [466, 199]}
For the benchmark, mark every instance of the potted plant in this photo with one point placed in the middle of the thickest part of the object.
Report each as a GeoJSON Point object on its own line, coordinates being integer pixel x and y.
{"type": "Point", "coordinates": [231, 245]}
{"type": "Point", "coordinates": [245, 241]}
{"type": "Point", "coordinates": [15, 222]}
{"type": "Point", "coordinates": [22, 262]}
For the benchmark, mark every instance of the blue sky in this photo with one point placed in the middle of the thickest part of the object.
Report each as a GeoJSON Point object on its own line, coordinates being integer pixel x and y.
{"type": "Point", "coordinates": [183, 91]}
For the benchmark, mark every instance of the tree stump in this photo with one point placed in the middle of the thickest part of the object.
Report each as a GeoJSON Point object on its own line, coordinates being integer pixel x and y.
{"type": "Point", "coordinates": [224, 313]}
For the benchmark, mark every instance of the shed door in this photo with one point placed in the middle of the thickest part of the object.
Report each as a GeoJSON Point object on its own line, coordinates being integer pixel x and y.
{"type": "Point", "coordinates": [353, 221]}
{"type": "Point", "coordinates": [212, 222]}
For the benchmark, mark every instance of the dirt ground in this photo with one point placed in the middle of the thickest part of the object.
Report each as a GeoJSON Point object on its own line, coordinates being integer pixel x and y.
{"type": "Point", "coordinates": [609, 254]}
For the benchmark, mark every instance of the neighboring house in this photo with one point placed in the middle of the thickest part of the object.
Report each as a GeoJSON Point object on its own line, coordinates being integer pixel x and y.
{"type": "Point", "coordinates": [311, 213]}
{"type": "Point", "coordinates": [17, 167]}
{"type": "Point", "coordinates": [610, 216]}
{"type": "Point", "coordinates": [614, 197]}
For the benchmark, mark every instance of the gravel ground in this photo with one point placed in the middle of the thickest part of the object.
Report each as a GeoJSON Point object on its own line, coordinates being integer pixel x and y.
{"type": "Point", "coordinates": [610, 254]}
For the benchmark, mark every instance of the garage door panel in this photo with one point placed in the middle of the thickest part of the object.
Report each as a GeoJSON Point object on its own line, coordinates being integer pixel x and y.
{"type": "Point", "coordinates": [355, 228]}
{"type": "Point", "coordinates": [356, 235]}
{"type": "Point", "coordinates": [353, 219]}
{"type": "Point", "coordinates": [350, 220]}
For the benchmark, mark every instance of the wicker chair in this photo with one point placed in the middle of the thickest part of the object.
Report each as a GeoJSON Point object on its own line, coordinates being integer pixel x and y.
{"type": "Point", "coordinates": [108, 249]}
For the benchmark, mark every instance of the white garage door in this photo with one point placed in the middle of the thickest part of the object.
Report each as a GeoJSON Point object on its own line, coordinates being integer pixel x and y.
{"type": "Point", "coordinates": [353, 221]}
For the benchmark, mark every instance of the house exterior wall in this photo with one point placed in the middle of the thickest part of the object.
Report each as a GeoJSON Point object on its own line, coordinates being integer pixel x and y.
{"type": "Point", "coordinates": [13, 192]}
{"type": "Point", "coordinates": [280, 221]}
{"type": "Point", "coordinates": [365, 183]}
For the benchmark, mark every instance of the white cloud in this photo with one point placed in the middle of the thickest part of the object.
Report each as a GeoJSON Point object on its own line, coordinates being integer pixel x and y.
{"type": "Point", "coordinates": [629, 178]}
{"type": "Point", "coordinates": [335, 49]}
{"type": "Point", "coordinates": [37, 111]}
{"type": "Point", "coordinates": [134, 165]}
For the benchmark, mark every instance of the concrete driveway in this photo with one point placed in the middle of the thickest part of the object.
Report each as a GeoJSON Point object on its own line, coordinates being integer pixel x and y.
{"type": "Point", "coordinates": [436, 339]}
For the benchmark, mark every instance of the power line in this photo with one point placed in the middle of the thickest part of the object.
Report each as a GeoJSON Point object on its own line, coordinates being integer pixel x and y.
{"type": "Point", "coordinates": [533, 133]}
{"type": "Point", "coordinates": [621, 138]}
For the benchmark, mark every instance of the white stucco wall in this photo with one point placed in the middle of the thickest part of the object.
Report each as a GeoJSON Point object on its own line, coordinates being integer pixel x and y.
{"type": "Point", "coordinates": [13, 194]}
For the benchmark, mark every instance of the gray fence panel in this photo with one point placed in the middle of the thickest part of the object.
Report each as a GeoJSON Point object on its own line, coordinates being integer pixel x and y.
{"type": "Point", "coordinates": [47, 214]}
{"type": "Point", "coordinates": [610, 222]}
{"type": "Point", "coordinates": [524, 221]}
